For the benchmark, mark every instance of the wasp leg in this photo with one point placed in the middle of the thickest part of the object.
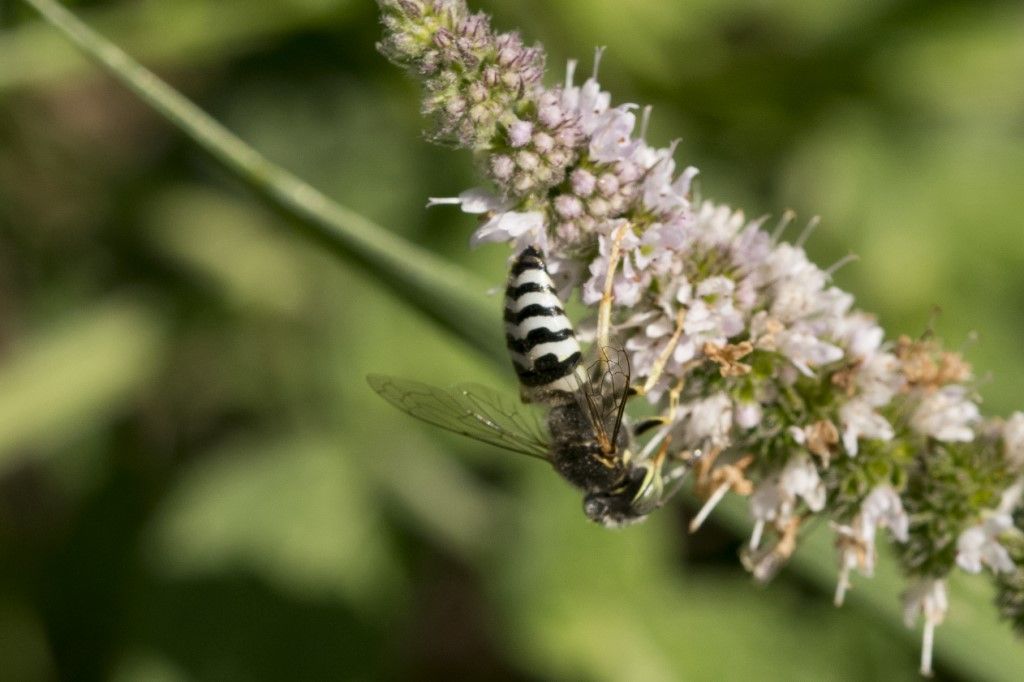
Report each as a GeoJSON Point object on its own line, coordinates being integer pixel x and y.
{"type": "Point", "coordinates": [653, 475]}
{"type": "Point", "coordinates": [665, 422]}
{"type": "Point", "coordinates": [661, 484]}
{"type": "Point", "coordinates": [662, 419]}
{"type": "Point", "coordinates": [663, 357]}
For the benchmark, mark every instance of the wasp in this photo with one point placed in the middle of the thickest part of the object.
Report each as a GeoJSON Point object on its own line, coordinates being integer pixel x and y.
{"type": "Point", "coordinates": [582, 435]}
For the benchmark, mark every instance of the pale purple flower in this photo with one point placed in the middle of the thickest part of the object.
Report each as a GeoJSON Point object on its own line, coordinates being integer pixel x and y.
{"type": "Point", "coordinates": [716, 223]}
{"type": "Point", "coordinates": [588, 101]}
{"type": "Point", "coordinates": [520, 133]}
{"type": "Point", "coordinates": [947, 415]}
{"type": "Point", "coordinates": [878, 379]}
{"type": "Point", "coordinates": [859, 420]}
{"type": "Point", "coordinates": [612, 137]}
{"type": "Point", "coordinates": [474, 200]}
{"type": "Point", "coordinates": [662, 192]}
{"type": "Point", "coordinates": [861, 335]}
{"type": "Point", "coordinates": [522, 228]}
{"type": "Point", "coordinates": [776, 497]}
{"type": "Point", "coordinates": [709, 421]}
{"type": "Point", "coordinates": [797, 284]}
{"type": "Point", "coordinates": [979, 546]}
{"type": "Point", "coordinates": [711, 315]}
{"type": "Point", "coordinates": [1013, 441]}
{"type": "Point", "coordinates": [806, 350]}
{"type": "Point", "coordinates": [747, 415]}
{"type": "Point", "coordinates": [881, 508]}
{"type": "Point", "coordinates": [583, 182]}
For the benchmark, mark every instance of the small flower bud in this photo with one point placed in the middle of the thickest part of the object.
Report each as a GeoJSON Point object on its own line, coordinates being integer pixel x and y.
{"type": "Point", "coordinates": [491, 75]}
{"type": "Point", "coordinates": [607, 184]}
{"type": "Point", "coordinates": [502, 167]}
{"type": "Point", "coordinates": [543, 143]}
{"type": "Point", "coordinates": [531, 74]}
{"type": "Point", "coordinates": [598, 207]}
{"type": "Point", "coordinates": [430, 62]}
{"type": "Point", "coordinates": [559, 158]}
{"type": "Point", "coordinates": [522, 183]}
{"type": "Point", "coordinates": [455, 106]}
{"type": "Point", "coordinates": [550, 115]}
{"type": "Point", "coordinates": [583, 182]}
{"type": "Point", "coordinates": [479, 113]}
{"type": "Point", "coordinates": [477, 92]}
{"type": "Point", "coordinates": [467, 54]}
{"type": "Point", "coordinates": [519, 133]}
{"type": "Point", "coordinates": [568, 206]}
{"type": "Point", "coordinates": [508, 54]}
{"type": "Point", "coordinates": [511, 80]}
{"type": "Point", "coordinates": [527, 161]}
{"type": "Point", "coordinates": [410, 9]}
{"type": "Point", "coordinates": [475, 28]}
{"type": "Point", "coordinates": [568, 231]}
{"type": "Point", "coordinates": [444, 39]}
{"type": "Point", "coordinates": [568, 137]}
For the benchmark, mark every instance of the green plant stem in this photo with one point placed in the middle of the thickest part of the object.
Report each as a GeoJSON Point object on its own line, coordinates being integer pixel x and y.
{"type": "Point", "coordinates": [448, 294]}
{"type": "Point", "coordinates": [180, 33]}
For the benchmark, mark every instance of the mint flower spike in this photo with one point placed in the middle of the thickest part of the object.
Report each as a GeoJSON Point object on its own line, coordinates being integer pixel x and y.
{"type": "Point", "coordinates": [756, 362]}
{"type": "Point", "coordinates": [474, 80]}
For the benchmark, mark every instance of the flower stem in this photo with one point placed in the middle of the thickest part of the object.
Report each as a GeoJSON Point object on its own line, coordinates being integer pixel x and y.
{"type": "Point", "coordinates": [446, 293]}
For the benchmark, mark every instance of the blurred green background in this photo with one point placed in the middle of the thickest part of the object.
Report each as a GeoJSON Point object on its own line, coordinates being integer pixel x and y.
{"type": "Point", "coordinates": [195, 480]}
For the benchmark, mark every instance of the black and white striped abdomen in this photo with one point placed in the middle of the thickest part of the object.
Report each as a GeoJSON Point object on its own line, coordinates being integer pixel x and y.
{"type": "Point", "coordinates": [540, 337]}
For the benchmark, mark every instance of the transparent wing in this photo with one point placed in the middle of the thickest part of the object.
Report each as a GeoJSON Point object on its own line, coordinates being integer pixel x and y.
{"type": "Point", "coordinates": [604, 394]}
{"type": "Point", "coordinates": [471, 410]}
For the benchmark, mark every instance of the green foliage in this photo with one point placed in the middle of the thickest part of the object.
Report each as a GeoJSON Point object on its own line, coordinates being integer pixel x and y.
{"type": "Point", "coordinates": [878, 462]}
{"type": "Point", "coordinates": [1010, 586]}
{"type": "Point", "coordinates": [952, 484]}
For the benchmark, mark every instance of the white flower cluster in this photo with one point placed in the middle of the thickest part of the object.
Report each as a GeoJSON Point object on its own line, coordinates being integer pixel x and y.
{"type": "Point", "coordinates": [762, 369]}
{"type": "Point", "coordinates": [686, 283]}
{"type": "Point", "coordinates": [882, 508]}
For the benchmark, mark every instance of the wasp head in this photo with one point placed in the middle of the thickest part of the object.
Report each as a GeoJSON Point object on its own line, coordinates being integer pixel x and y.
{"type": "Point", "coordinates": [623, 505]}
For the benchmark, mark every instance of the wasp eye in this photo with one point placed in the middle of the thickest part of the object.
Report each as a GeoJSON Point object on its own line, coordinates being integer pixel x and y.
{"type": "Point", "coordinates": [595, 507]}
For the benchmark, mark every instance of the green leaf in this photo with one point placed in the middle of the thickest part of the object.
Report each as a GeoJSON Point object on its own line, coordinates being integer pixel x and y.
{"type": "Point", "coordinates": [67, 378]}
{"type": "Point", "coordinates": [297, 512]}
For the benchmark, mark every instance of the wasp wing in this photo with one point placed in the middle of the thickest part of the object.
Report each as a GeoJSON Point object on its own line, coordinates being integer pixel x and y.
{"type": "Point", "coordinates": [604, 394]}
{"type": "Point", "coordinates": [471, 410]}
